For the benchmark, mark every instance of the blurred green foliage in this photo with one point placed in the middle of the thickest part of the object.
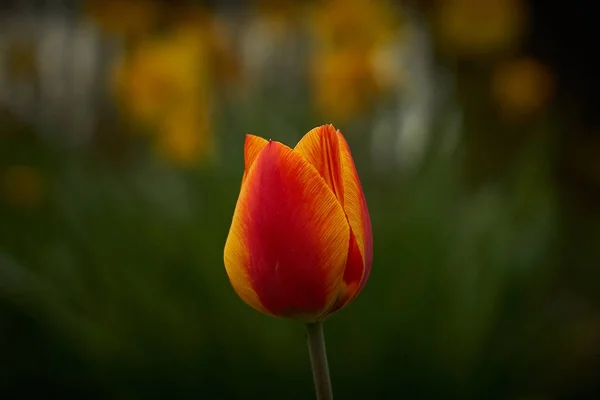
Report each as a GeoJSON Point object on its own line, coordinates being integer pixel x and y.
{"type": "Point", "coordinates": [115, 284]}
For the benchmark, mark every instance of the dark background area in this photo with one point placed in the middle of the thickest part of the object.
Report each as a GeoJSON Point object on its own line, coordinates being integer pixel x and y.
{"type": "Point", "coordinates": [480, 161]}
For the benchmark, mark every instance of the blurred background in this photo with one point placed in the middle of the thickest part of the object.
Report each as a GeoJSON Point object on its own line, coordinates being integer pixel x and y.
{"type": "Point", "coordinates": [474, 128]}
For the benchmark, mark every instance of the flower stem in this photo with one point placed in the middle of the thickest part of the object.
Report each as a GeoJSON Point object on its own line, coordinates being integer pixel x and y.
{"type": "Point", "coordinates": [318, 360]}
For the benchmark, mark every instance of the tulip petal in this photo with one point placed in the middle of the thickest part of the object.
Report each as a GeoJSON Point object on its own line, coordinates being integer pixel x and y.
{"type": "Point", "coordinates": [320, 148]}
{"type": "Point", "coordinates": [353, 275]}
{"type": "Point", "coordinates": [327, 150]}
{"type": "Point", "coordinates": [288, 244]}
{"type": "Point", "coordinates": [252, 148]}
{"type": "Point", "coordinates": [355, 206]}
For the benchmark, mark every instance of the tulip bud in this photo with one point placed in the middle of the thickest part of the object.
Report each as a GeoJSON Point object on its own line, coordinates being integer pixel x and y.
{"type": "Point", "coordinates": [300, 244]}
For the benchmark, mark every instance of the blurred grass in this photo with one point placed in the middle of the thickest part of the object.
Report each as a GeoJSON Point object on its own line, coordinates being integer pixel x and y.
{"type": "Point", "coordinates": [122, 268]}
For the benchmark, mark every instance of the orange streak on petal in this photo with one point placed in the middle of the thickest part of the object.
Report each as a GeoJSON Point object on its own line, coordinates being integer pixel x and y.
{"type": "Point", "coordinates": [252, 148]}
{"type": "Point", "coordinates": [288, 244]}
{"type": "Point", "coordinates": [236, 257]}
{"type": "Point", "coordinates": [236, 250]}
{"type": "Point", "coordinates": [321, 149]}
{"type": "Point", "coordinates": [355, 206]}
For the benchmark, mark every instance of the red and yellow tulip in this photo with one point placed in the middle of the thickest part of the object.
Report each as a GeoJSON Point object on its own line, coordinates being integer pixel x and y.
{"type": "Point", "coordinates": [300, 244]}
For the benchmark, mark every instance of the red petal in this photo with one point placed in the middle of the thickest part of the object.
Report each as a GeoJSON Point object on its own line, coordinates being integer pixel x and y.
{"type": "Point", "coordinates": [288, 244]}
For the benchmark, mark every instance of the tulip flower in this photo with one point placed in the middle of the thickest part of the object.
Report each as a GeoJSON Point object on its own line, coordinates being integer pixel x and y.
{"type": "Point", "coordinates": [300, 244]}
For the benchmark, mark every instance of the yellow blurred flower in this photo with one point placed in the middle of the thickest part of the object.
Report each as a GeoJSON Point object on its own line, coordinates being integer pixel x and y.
{"type": "Point", "coordinates": [184, 135]}
{"type": "Point", "coordinates": [23, 186]}
{"type": "Point", "coordinates": [129, 19]}
{"type": "Point", "coordinates": [165, 83]}
{"type": "Point", "coordinates": [349, 39]}
{"type": "Point", "coordinates": [343, 84]}
{"type": "Point", "coordinates": [475, 28]}
{"type": "Point", "coordinates": [161, 74]}
{"type": "Point", "coordinates": [521, 88]}
{"type": "Point", "coordinates": [360, 24]}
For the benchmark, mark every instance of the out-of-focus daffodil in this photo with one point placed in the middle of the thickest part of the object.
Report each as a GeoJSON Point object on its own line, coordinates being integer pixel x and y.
{"type": "Point", "coordinates": [349, 39]}
{"type": "Point", "coordinates": [183, 136]}
{"type": "Point", "coordinates": [162, 74]}
{"type": "Point", "coordinates": [165, 84]}
{"type": "Point", "coordinates": [213, 33]}
{"type": "Point", "coordinates": [23, 186]}
{"type": "Point", "coordinates": [343, 84]}
{"type": "Point", "coordinates": [300, 244]}
{"type": "Point", "coordinates": [475, 28]}
{"type": "Point", "coordinates": [128, 19]}
{"type": "Point", "coordinates": [521, 88]}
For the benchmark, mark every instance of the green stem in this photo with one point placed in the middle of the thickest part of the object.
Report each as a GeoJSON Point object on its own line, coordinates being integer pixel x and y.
{"type": "Point", "coordinates": [318, 360]}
